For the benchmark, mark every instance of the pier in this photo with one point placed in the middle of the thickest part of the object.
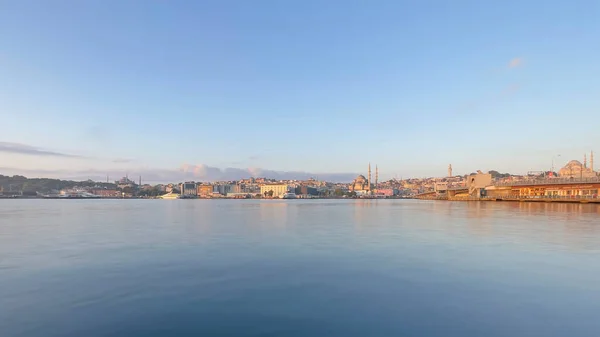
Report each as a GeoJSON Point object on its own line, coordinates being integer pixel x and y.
{"type": "Point", "coordinates": [564, 190]}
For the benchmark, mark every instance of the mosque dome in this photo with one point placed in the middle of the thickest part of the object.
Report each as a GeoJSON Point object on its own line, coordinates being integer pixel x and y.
{"type": "Point", "coordinates": [574, 163]}
{"type": "Point", "coordinates": [575, 169]}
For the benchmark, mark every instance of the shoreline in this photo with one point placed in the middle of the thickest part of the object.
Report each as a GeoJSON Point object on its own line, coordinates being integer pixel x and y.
{"type": "Point", "coordinates": [224, 198]}
{"type": "Point", "coordinates": [520, 200]}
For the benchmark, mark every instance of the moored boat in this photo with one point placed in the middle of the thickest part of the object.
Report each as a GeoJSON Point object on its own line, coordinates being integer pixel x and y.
{"type": "Point", "coordinates": [170, 196]}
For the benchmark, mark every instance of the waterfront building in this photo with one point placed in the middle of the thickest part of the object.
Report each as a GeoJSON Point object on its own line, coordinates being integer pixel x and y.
{"type": "Point", "coordinates": [306, 190]}
{"type": "Point", "coordinates": [277, 189]}
{"type": "Point", "coordinates": [188, 189]}
{"type": "Point", "coordinates": [224, 189]}
{"type": "Point", "coordinates": [441, 188]}
{"type": "Point", "coordinates": [105, 193]}
{"type": "Point", "coordinates": [205, 190]}
{"type": "Point", "coordinates": [476, 183]}
{"type": "Point", "coordinates": [387, 192]}
{"type": "Point", "coordinates": [236, 188]}
{"type": "Point", "coordinates": [550, 189]}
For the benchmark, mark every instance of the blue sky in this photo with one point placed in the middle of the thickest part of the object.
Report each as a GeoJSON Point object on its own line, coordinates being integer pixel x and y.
{"type": "Point", "coordinates": [306, 86]}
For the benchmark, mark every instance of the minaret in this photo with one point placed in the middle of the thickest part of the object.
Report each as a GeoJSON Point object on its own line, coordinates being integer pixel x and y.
{"type": "Point", "coordinates": [592, 161]}
{"type": "Point", "coordinates": [376, 176]}
{"type": "Point", "coordinates": [450, 170]}
{"type": "Point", "coordinates": [369, 176]}
{"type": "Point", "coordinates": [585, 161]}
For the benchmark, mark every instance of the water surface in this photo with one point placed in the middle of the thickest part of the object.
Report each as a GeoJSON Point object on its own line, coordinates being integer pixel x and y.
{"type": "Point", "coordinates": [298, 268]}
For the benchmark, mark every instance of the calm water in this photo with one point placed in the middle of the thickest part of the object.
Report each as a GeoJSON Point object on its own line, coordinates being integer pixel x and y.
{"type": "Point", "coordinates": [298, 268]}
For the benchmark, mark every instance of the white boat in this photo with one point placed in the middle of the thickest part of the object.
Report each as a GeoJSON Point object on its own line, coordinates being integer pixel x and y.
{"type": "Point", "coordinates": [288, 195]}
{"type": "Point", "coordinates": [170, 196]}
{"type": "Point", "coordinates": [75, 194]}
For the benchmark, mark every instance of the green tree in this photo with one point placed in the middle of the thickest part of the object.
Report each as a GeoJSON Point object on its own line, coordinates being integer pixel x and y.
{"type": "Point", "coordinates": [496, 174]}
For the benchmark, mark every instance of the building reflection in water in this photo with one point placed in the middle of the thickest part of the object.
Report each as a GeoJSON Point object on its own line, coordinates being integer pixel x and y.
{"type": "Point", "coordinates": [362, 212]}
{"type": "Point", "coordinates": [197, 217]}
{"type": "Point", "coordinates": [571, 225]}
{"type": "Point", "coordinates": [274, 213]}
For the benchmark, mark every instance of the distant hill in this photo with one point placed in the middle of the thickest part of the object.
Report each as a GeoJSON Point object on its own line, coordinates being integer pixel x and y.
{"type": "Point", "coordinates": [43, 185]}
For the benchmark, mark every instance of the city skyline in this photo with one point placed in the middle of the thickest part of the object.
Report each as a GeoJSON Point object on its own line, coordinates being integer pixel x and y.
{"type": "Point", "coordinates": [219, 90]}
{"type": "Point", "coordinates": [212, 174]}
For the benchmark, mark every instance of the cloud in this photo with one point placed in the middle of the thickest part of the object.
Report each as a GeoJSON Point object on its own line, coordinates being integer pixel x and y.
{"type": "Point", "coordinates": [186, 172]}
{"type": "Point", "coordinates": [31, 150]}
{"type": "Point", "coordinates": [122, 160]}
{"type": "Point", "coordinates": [208, 173]}
{"type": "Point", "coordinates": [516, 62]}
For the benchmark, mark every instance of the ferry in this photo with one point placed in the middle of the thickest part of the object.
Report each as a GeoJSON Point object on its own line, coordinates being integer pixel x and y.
{"type": "Point", "coordinates": [170, 196]}
{"type": "Point", "coordinates": [288, 196]}
{"type": "Point", "coordinates": [72, 194]}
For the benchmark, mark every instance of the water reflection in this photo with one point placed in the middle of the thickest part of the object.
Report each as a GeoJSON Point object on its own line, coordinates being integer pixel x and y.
{"type": "Point", "coordinates": [274, 213]}
{"type": "Point", "coordinates": [573, 226]}
{"type": "Point", "coordinates": [279, 267]}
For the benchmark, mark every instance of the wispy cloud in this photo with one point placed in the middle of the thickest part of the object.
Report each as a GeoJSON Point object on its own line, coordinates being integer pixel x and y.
{"type": "Point", "coordinates": [32, 150]}
{"type": "Point", "coordinates": [516, 62]}
{"type": "Point", "coordinates": [122, 160]}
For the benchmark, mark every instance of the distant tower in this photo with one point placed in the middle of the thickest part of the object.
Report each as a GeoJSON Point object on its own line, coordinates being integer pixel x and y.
{"type": "Point", "coordinates": [585, 161]}
{"type": "Point", "coordinates": [140, 180]}
{"type": "Point", "coordinates": [450, 170]}
{"type": "Point", "coordinates": [592, 161]}
{"type": "Point", "coordinates": [369, 176]}
{"type": "Point", "coordinates": [107, 178]}
{"type": "Point", "coordinates": [376, 175]}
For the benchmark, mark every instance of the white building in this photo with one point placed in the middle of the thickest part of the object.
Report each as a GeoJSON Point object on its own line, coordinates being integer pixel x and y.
{"type": "Point", "coordinates": [278, 189]}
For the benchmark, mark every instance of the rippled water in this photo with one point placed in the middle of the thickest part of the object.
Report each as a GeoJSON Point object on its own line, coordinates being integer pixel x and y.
{"type": "Point", "coordinates": [298, 268]}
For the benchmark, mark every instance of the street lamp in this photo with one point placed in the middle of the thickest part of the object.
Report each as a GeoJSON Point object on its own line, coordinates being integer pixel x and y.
{"type": "Point", "coordinates": [556, 156]}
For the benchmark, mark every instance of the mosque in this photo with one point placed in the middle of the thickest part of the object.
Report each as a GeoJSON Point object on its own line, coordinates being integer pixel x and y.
{"type": "Point", "coordinates": [362, 185]}
{"type": "Point", "coordinates": [575, 169]}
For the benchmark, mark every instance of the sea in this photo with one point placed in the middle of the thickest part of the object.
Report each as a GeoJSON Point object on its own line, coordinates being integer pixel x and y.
{"type": "Point", "coordinates": [313, 268]}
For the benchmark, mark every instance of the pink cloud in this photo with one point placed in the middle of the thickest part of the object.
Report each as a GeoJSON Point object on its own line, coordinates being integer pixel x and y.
{"type": "Point", "coordinates": [516, 62]}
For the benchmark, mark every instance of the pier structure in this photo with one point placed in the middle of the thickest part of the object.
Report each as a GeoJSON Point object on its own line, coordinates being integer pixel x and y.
{"type": "Point", "coordinates": [577, 190]}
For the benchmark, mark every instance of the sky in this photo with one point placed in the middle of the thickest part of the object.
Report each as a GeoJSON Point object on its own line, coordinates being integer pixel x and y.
{"type": "Point", "coordinates": [174, 90]}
